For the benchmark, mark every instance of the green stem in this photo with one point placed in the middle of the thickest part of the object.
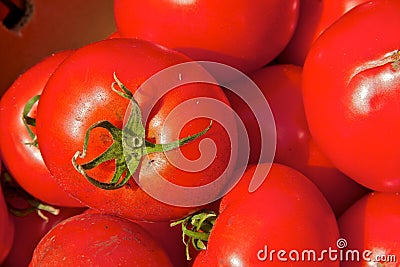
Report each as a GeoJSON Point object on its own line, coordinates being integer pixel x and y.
{"type": "Point", "coordinates": [29, 121]}
{"type": "Point", "coordinates": [128, 147]}
{"type": "Point", "coordinates": [196, 230]}
{"type": "Point", "coordinates": [12, 190]}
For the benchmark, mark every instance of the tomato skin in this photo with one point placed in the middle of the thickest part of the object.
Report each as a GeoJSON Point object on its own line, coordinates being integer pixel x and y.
{"type": "Point", "coordinates": [315, 17]}
{"type": "Point", "coordinates": [249, 221]}
{"type": "Point", "coordinates": [333, 10]}
{"type": "Point", "coordinates": [168, 237]}
{"type": "Point", "coordinates": [339, 189]}
{"type": "Point", "coordinates": [309, 16]}
{"type": "Point", "coordinates": [6, 228]}
{"type": "Point", "coordinates": [29, 230]}
{"type": "Point", "coordinates": [246, 35]}
{"type": "Point", "coordinates": [98, 240]}
{"type": "Point", "coordinates": [87, 98]}
{"type": "Point", "coordinates": [351, 95]}
{"type": "Point", "coordinates": [281, 83]}
{"type": "Point", "coordinates": [24, 162]}
{"type": "Point", "coordinates": [372, 224]}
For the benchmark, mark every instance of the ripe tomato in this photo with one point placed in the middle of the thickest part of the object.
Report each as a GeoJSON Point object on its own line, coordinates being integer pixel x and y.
{"type": "Point", "coordinates": [244, 34]}
{"type": "Point", "coordinates": [169, 238]}
{"type": "Point", "coordinates": [371, 226]}
{"type": "Point", "coordinates": [50, 27]}
{"type": "Point", "coordinates": [333, 10]}
{"type": "Point", "coordinates": [6, 228]}
{"type": "Point", "coordinates": [279, 84]}
{"type": "Point", "coordinates": [351, 94]}
{"type": "Point", "coordinates": [295, 147]}
{"type": "Point", "coordinates": [98, 240]}
{"type": "Point", "coordinates": [21, 158]}
{"type": "Point", "coordinates": [315, 17]}
{"type": "Point", "coordinates": [296, 50]}
{"type": "Point", "coordinates": [286, 213]}
{"type": "Point", "coordinates": [29, 230]}
{"type": "Point", "coordinates": [80, 94]}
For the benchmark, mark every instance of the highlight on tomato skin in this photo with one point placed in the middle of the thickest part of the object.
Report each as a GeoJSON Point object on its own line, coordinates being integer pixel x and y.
{"type": "Point", "coordinates": [351, 94]}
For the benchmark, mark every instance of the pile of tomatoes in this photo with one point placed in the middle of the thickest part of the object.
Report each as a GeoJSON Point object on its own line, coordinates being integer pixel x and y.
{"type": "Point", "coordinates": [103, 165]}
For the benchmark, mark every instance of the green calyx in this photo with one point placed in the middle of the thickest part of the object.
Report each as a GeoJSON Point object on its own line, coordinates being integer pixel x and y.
{"type": "Point", "coordinates": [196, 229]}
{"type": "Point", "coordinates": [12, 190]}
{"type": "Point", "coordinates": [29, 121]}
{"type": "Point", "coordinates": [128, 147]}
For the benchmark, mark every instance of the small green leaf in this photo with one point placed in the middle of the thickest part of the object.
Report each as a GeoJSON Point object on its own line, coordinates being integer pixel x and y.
{"type": "Point", "coordinates": [29, 121]}
{"type": "Point", "coordinates": [196, 229]}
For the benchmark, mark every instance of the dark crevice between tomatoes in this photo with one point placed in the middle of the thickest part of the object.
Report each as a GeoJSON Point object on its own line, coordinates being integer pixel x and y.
{"type": "Point", "coordinates": [196, 229]}
{"type": "Point", "coordinates": [20, 203]}
{"type": "Point", "coordinates": [16, 13]}
{"type": "Point", "coordinates": [128, 147]}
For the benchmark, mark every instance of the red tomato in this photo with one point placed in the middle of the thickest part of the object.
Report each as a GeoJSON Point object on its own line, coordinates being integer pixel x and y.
{"type": "Point", "coordinates": [286, 213]}
{"type": "Point", "coordinates": [98, 240]}
{"type": "Point", "coordinates": [333, 10]}
{"type": "Point", "coordinates": [29, 230]}
{"type": "Point", "coordinates": [6, 228]}
{"type": "Point", "coordinates": [22, 159]}
{"type": "Point", "coordinates": [306, 30]}
{"type": "Point", "coordinates": [338, 188]}
{"type": "Point", "coordinates": [295, 147]}
{"type": "Point", "coordinates": [79, 94]}
{"type": "Point", "coordinates": [371, 226]}
{"type": "Point", "coordinates": [315, 17]}
{"type": "Point", "coordinates": [169, 238]}
{"type": "Point", "coordinates": [244, 34]}
{"type": "Point", "coordinates": [279, 84]}
{"type": "Point", "coordinates": [50, 27]}
{"type": "Point", "coordinates": [352, 91]}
